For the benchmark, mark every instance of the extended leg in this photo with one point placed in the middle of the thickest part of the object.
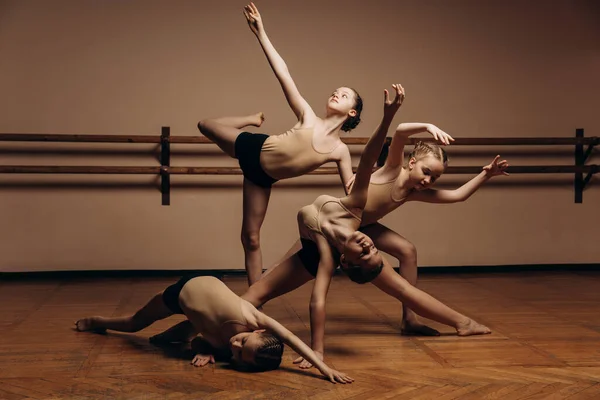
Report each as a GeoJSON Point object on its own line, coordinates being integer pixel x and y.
{"type": "Point", "coordinates": [153, 311]}
{"type": "Point", "coordinates": [424, 304]}
{"type": "Point", "coordinates": [399, 247]}
{"type": "Point", "coordinates": [224, 131]}
{"type": "Point", "coordinates": [288, 275]}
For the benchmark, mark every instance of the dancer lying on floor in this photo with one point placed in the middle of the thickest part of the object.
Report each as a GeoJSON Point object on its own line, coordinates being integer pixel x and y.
{"type": "Point", "coordinates": [229, 325]}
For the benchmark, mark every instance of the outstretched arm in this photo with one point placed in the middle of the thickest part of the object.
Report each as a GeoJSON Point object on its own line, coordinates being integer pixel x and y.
{"type": "Point", "coordinates": [395, 157]}
{"type": "Point", "coordinates": [465, 191]}
{"type": "Point", "coordinates": [319, 296]}
{"type": "Point", "coordinates": [301, 348]}
{"type": "Point", "coordinates": [263, 321]}
{"type": "Point", "coordinates": [299, 106]}
{"type": "Point", "coordinates": [358, 197]}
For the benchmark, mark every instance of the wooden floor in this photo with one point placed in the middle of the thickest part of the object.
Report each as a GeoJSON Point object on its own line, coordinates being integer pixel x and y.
{"type": "Point", "coordinates": [545, 343]}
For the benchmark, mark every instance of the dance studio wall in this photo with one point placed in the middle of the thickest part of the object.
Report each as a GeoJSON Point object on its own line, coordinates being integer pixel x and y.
{"type": "Point", "coordinates": [475, 68]}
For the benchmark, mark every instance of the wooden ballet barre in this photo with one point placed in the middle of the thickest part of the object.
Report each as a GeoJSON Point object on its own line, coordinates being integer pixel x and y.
{"type": "Point", "coordinates": [499, 141]}
{"type": "Point", "coordinates": [465, 141]}
{"type": "Point", "coordinates": [77, 138]}
{"type": "Point", "coordinates": [525, 169]}
{"type": "Point", "coordinates": [102, 170]}
{"type": "Point", "coordinates": [71, 169]}
{"type": "Point", "coordinates": [165, 170]}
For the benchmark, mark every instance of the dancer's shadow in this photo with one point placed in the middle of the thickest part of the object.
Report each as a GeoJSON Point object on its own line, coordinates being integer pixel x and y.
{"type": "Point", "coordinates": [181, 351]}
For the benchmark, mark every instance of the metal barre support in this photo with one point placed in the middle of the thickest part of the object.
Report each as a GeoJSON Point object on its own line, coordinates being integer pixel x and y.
{"type": "Point", "coordinates": [165, 163]}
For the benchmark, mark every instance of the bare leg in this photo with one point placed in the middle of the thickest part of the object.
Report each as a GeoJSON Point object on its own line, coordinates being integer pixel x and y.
{"type": "Point", "coordinates": [240, 122]}
{"type": "Point", "coordinates": [153, 311]}
{"type": "Point", "coordinates": [399, 247]}
{"type": "Point", "coordinates": [182, 332]}
{"type": "Point", "coordinates": [256, 201]}
{"type": "Point", "coordinates": [425, 305]}
{"type": "Point", "coordinates": [224, 131]}
{"type": "Point", "coordinates": [288, 275]}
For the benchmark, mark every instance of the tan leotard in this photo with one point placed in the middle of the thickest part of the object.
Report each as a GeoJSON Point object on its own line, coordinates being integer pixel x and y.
{"type": "Point", "coordinates": [324, 212]}
{"type": "Point", "coordinates": [292, 154]}
{"type": "Point", "coordinates": [380, 202]}
{"type": "Point", "coordinates": [213, 309]}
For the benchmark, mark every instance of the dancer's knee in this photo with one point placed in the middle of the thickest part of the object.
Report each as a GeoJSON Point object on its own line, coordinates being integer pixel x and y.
{"type": "Point", "coordinates": [250, 240]}
{"type": "Point", "coordinates": [407, 253]}
{"type": "Point", "coordinates": [203, 126]}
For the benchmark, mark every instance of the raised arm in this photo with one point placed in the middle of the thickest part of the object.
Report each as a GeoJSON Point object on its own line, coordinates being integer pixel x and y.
{"type": "Point", "coordinates": [358, 197]}
{"type": "Point", "coordinates": [465, 191]}
{"type": "Point", "coordinates": [395, 157]}
{"type": "Point", "coordinates": [299, 106]}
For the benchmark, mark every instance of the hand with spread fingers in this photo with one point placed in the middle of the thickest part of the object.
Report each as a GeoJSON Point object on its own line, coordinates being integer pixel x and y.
{"type": "Point", "coordinates": [338, 377]}
{"type": "Point", "coordinates": [496, 167]}
{"type": "Point", "coordinates": [254, 19]}
{"type": "Point", "coordinates": [439, 135]}
{"type": "Point", "coordinates": [391, 107]}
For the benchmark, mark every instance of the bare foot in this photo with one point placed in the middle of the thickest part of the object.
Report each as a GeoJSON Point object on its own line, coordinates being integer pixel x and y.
{"type": "Point", "coordinates": [88, 324]}
{"type": "Point", "coordinates": [416, 328]}
{"type": "Point", "coordinates": [470, 327]}
{"type": "Point", "coordinates": [257, 119]}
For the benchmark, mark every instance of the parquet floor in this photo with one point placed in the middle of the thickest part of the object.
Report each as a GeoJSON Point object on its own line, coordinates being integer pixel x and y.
{"type": "Point", "coordinates": [545, 343]}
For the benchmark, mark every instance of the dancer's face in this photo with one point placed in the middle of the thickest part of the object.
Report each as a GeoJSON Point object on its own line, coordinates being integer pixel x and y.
{"type": "Point", "coordinates": [425, 171]}
{"type": "Point", "coordinates": [359, 249]}
{"type": "Point", "coordinates": [244, 346]}
{"type": "Point", "coordinates": [342, 101]}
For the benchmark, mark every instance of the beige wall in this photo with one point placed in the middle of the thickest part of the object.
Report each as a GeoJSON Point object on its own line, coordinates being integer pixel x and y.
{"type": "Point", "coordinates": [474, 68]}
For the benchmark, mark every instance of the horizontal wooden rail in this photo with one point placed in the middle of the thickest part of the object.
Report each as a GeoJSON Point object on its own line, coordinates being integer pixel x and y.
{"type": "Point", "coordinates": [465, 141]}
{"type": "Point", "coordinates": [68, 169]}
{"type": "Point", "coordinates": [498, 141]}
{"type": "Point", "coordinates": [71, 169]}
{"type": "Point", "coordinates": [78, 138]}
{"type": "Point", "coordinates": [165, 171]}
